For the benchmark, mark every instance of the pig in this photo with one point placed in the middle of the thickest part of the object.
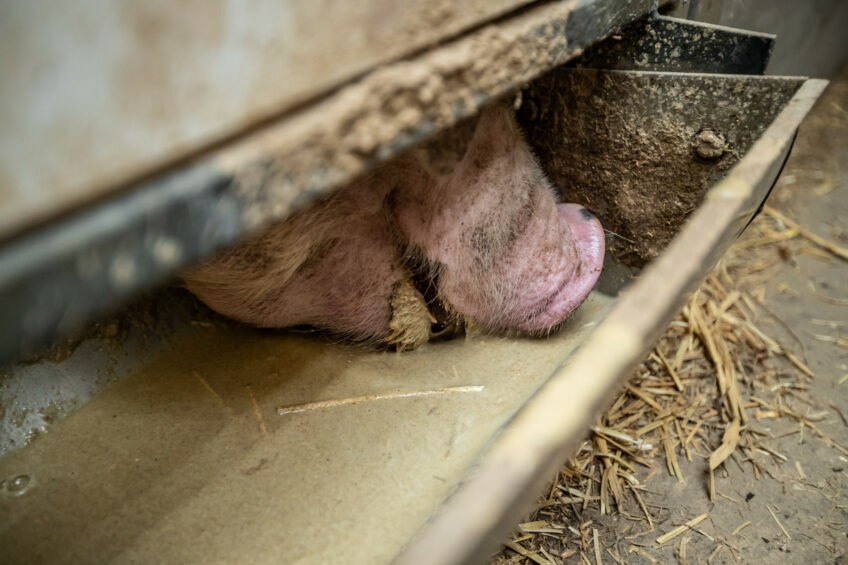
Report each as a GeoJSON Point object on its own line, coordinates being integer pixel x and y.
{"type": "Point", "coordinates": [427, 242]}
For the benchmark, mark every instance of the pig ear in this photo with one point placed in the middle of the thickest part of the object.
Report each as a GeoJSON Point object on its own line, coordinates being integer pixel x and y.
{"type": "Point", "coordinates": [497, 131]}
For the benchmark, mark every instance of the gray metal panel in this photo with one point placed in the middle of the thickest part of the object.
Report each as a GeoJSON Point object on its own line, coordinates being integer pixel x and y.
{"type": "Point", "coordinates": [668, 44]}
{"type": "Point", "coordinates": [640, 149]}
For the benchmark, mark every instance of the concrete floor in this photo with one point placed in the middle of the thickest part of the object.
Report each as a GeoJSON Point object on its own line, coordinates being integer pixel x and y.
{"type": "Point", "coordinates": [813, 190]}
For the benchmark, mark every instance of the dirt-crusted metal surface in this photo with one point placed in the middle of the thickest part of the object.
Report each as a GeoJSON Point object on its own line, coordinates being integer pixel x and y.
{"type": "Point", "coordinates": [668, 44]}
{"type": "Point", "coordinates": [640, 149]}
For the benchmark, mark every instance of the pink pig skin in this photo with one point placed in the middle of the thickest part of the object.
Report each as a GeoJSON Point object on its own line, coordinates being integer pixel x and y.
{"type": "Point", "coordinates": [332, 266]}
{"type": "Point", "coordinates": [488, 236]}
{"type": "Point", "coordinates": [510, 257]}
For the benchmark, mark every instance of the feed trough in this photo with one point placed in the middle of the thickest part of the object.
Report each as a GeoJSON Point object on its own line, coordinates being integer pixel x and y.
{"type": "Point", "coordinates": [164, 432]}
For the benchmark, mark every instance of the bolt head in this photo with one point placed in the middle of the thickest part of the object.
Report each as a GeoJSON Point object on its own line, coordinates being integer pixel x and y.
{"type": "Point", "coordinates": [709, 144]}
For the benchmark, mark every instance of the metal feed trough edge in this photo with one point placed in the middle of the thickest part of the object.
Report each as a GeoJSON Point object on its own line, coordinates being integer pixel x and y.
{"type": "Point", "coordinates": [498, 489]}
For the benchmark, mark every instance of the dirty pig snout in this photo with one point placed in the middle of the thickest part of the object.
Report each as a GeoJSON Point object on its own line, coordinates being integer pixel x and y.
{"type": "Point", "coordinates": [497, 247]}
{"type": "Point", "coordinates": [511, 257]}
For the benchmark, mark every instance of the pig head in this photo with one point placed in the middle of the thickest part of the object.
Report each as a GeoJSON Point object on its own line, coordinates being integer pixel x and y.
{"type": "Point", "coordinates": [416, 245]}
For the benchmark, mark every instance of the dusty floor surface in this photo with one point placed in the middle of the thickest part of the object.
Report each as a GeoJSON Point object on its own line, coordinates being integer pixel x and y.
{"type": "Point", "coordinates": [797, 510]}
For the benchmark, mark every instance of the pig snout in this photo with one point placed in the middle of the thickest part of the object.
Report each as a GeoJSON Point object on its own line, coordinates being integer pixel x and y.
{"type": "Point", "coordinates": [511, 258]}
{"type": "Point", "coordinates": [384, 257]}
{"type": "Point", "coordinates": [579, 228]}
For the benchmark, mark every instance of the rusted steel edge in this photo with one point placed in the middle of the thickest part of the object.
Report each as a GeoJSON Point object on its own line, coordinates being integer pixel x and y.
{"type": "Point", "coordinates": [510, 474]}
{"type": "Point", "coordinates": [56, 278]}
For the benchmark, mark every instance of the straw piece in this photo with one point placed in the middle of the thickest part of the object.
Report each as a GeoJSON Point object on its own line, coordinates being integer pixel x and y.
{"type": "Point", "coordinates": [642, 506]}
{"type": "Point", "coordinates": [728, 446]}
{"type": "Point", "coordinates": [671, 456]}
{"type": "Point", "coordinates": [706, 338]}
{"type": "Point", "coordinates": [621, 436]}
{"type": "Point", "coordinates": [730, 498]}
{"type": "Point", "coordinates": [263, 429]}
{"type": "Point", "coordinates": [588, 491]}
{"type": "Point", "coordinates": [839, 412]}
{"type": "Point", "coordinates": [682, 350]}
{"type": "Point", "coordinates": [693, 432]}
{"type": "Point", "coordinates": [547, 555]}
{"type": "Point", "coordinates": [670, 370]}
{"type": "Point", "coordinates": [825, 244]}
{"type": "Point", "coordinates": [740, 527]}
{"type": "Point", "coordinates": [615, 557]}
{"type": "Point", "coordinates": [645, 398]}
{"type": "Point", "coordinates": [213, 392]}
{"type": "Point", "coordinates": [283, 410]}
{"type": "Point", "coordinates": [680, 529]}
{"type": "Point", "coordinates": [682, 441]}
{"type": "Point", "coordinates": [773, 515]}
{"type": "Point", "coordinates": [636, 549]}
{"type": "Point", "coordinates": [528, 554]}
{"type": "Point", "coordinates": [713, 554]}
{"type": "Point", "coordinates": [653, 425]}
{"type": "Point", "coordinates": [539, 527]}
{"type": "Point", "coordinates": [831, 300]}
{"type": "Point", "coordinates": [598, 560]}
